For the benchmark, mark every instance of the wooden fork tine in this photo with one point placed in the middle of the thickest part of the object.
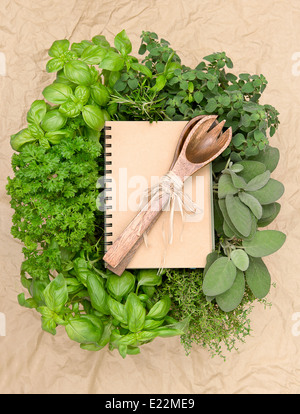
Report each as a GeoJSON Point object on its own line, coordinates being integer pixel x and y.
{"type": "Point", "coordinates": [215, 132]}
{"type": "Point", "coordinates": [226, 136]}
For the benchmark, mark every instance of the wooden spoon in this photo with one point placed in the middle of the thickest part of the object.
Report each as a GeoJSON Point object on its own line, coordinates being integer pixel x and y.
{"type": "Point", "coordinates": [201, 146]}
{"type": "Point", "coordinates": [126, 260]}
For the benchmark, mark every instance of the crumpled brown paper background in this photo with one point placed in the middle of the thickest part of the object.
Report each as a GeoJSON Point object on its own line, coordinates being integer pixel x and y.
{"type": "Point", "coordinates": [260, 37]}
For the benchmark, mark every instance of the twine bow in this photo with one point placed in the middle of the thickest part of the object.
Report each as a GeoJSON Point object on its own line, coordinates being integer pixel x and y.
{"type": "Point", "coordinates": [170, 186]}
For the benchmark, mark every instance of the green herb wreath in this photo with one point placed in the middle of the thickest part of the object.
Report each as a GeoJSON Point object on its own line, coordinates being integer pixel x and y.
{"type": "Point", "coordinates": [59, 157]}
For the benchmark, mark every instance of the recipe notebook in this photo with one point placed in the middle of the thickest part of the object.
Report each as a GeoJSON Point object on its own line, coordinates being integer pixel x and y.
{"type": "Point", "coordinates": [137, 154]}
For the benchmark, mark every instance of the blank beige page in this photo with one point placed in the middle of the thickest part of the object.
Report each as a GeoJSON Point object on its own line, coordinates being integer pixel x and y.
{"type": "Point", "coordinates": [140, 153]}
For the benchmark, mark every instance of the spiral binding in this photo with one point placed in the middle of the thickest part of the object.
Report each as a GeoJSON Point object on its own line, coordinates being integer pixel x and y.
{"type": "Point", "coordinates": [107, 217]}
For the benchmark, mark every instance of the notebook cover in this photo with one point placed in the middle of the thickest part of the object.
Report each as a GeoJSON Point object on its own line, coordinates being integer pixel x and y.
{"type": "Point", "coordinates": [138, 153]}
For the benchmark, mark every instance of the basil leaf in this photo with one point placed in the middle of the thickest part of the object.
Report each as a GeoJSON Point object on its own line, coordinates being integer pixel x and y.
{"type": "Point", "coordinates": [78, 48]}
{"type": "Point", "coordinates": [264, 243]}
{"type": "Point", "coordinates": [70, 109]}
{"type": "Point", "coordinates": [54, 65]}
{"type": "Point", "coordinates": [123, 43]}
{"type": "Point", "coordinates": [117, 310]}
{"type": "Point", "coordinates": [58, 48]}
{"type": "Point", "coordinates": [230, 299]}
{"type": "Point", "coordinates": [53, 121]}
{"type": "Point", "coordinates": [141, 68]}
{"type": "Point", "coordinates": [258, 278]}
{"type": "Point", "coordinates": [160, 309]}
{"type": "Point", "coordinates": [97, 293]}
{"type": "Point", "coordinates": [37, 112]}
{"type": "Point", "coordinates": [149, 277]}
{"type": "Point", "coordinates": [93, 54]}
{"type": "Point", "coordinates": [82, 330]}
{"type": "Point", "coordinates": [100, 94]}
{"type": "Point", "coordinates": [153, 324]}
{"type": "Point", "coordinates": [21, 138]}
{"type": "Point", "coordinates": [57, 93]}
{"type": "Point", "coordinates": [112, 61]}
{"type": "Point", "coordinates": [78, 72]}
{"type": "Point", "coordinates": [56, 293]}
{"type": "Point", "coordinates": [219, 277]}
{"type": "Point", "coordinates": [120, 286]}
{"type": "Point", "coordinates": [101, 41]}
{"type": "Point", "coordinates": [136, 313]}
{"type": "Point", "coordinates": [93, 117]}
{"type": "Point", "coordinates": [82, 93]}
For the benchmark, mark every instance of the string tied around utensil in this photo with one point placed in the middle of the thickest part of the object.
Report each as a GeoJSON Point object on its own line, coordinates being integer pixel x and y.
{"type": "Point", "coordinates": [170, 189]}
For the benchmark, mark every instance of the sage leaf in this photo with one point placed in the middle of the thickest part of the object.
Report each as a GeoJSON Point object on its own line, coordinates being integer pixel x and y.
{"type": "Point", "coordinates": [82, 330]}
{"type": "Point", "coordinates": [269, 213]}
{"type": "Point", "coordinates": [136, 313]}
{"type": "Point", "coordinates": [57, 93]}
{"type": "Point", "coordinates": [225, 186]}
{"type": "Point", "coordinates": [258, 278]}
{"type": "Point", "coordinates": [269, 157]}
{"type": "Point", "coordinates": [117, 310]}
{"type": "Point", "coordinates": [56, 294]}
{"type": "Point", "coordinates": [270, 193]}
{"type": "Point", "coordinates": [237, 181]}
{"type": "Point", "coordinates": [97, 293]}
{"type": "Point", "coordinates": [258, 182]}
{"type": "Point", "coordinates": [252, 203]}
{"type": "Point", "coordinates": [160, 309]}
{"type": "Point", "coordinates": [210, 259]}
{"type": "Point", "coordinates": [230, 299]}
{"type": "Point", "coordinates": [225, 214]}
{"type": "Point", "coordinates": [236, 168]}
{"type": "Point", "coordinates": [219, 277]}
{"type": "Point", "coordinates": [240, 259]}
{"type": "Point", "coordinates": [264, 243]}
{"type": "Point", "coordinates": [218, 217]}
{"type": "Point", "coordinates": [239, 214]}
{"type": "Point", "coordinates": [120, 286]}
{"type": "Point", "coordinates": [251, 169]}
{"type": "Point", "coordinates": [227, 230]}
